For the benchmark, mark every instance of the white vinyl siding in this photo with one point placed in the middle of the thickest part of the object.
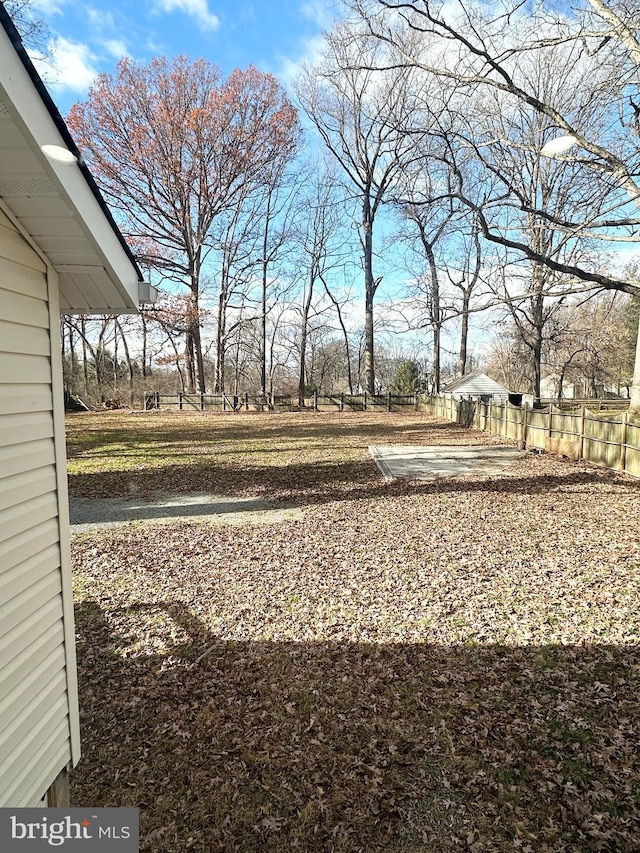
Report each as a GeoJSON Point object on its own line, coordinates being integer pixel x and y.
{"type": "Point", "coordinates": [35, 726]}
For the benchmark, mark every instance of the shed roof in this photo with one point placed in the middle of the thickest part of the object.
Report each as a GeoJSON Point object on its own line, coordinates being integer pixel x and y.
{"type": "Point", "coordinates": [59, 206]}
{"type": "Point", "coordinates": [475, 384]}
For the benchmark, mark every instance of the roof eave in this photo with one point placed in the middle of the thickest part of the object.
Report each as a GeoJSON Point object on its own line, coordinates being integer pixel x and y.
{"type": "Point", "coordinates": [39, 121]}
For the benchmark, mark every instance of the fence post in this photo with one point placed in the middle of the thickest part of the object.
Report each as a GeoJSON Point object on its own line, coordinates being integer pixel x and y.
{"type": "Point", "coordinates": [581, 439]}
{"type": "Point", "coordinates": [202, 402]}
{"type": "Point", "coordinates": [315, 401]}
{"type": "Point", "coordinates": [524, 427]}
{"type": "Point", "coordinates": [180, 401]}
{"type": "Point", "coordinates": [342, 401]}
{"type": "Point", "coordinates": [365, 401]}
{"type": "Point", "coordinates": [550, 426]}
{"type": "Point", "coordinates": [623, 441]}
{"type": "Point", "coordinates": [389, 401]}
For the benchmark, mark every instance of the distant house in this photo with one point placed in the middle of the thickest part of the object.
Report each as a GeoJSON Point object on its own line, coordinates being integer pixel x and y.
{"type": "Point", "coordinates": [476, 386]}
{"type": "Point", "coordinates": [60, 252]}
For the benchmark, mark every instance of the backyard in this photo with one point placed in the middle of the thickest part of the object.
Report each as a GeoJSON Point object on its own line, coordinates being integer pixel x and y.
{"type": "Point", "coordinates": [355, 665]}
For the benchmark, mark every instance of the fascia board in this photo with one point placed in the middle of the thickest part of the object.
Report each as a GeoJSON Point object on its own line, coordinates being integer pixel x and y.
{"type": "Point", "coordinates": [36, 123]}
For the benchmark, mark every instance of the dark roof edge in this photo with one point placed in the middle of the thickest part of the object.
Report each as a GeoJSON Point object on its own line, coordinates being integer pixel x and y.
{"type": "Point", "coordinates": [16, 40]}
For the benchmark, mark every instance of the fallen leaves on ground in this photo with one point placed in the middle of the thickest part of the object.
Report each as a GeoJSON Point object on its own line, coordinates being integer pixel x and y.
{"type": "Point", "coordinates": [308, 457]}
{"type": "Point", "coordinates": [415, 667]}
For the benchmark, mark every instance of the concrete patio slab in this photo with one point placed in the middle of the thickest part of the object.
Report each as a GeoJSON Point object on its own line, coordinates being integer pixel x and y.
{"type": "Point", "coordinates": [418, 462]}
{"type": "Point", "coordinates": [88, 513]}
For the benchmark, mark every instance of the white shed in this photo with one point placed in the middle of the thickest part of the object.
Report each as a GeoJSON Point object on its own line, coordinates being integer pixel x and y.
{"type": "Point", "coordinates": [476, 386]}
{"type": "Point", "coordinates": [60, 251]}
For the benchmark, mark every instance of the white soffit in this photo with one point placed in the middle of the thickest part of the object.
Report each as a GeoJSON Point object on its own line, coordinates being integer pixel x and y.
{"type": "Point", "coordinates": [54, 203]}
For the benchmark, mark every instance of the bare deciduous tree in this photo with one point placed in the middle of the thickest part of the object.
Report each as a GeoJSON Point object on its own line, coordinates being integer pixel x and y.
{"type": "Point", "coordinates": [173, 145]}
{"type": "Point", "coordinates": [483, 50]}
{"type": "Point", "coordinates": [359, 113]}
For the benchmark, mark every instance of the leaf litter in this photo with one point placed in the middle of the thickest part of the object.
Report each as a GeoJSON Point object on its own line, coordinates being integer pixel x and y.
{"type": "Point", "coordinates": [405, 666]}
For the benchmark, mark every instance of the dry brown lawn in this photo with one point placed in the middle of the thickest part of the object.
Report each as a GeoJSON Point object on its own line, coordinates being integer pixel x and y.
{"type": "Point", "coordinates": [398, 667]}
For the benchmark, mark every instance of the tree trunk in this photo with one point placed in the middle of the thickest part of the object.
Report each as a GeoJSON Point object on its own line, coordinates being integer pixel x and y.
{"type": "Point", "coordinates": [370, 289]}
{"type": "Point", "coordinates": [72, 356]}
{"type": "Point", "coordinates": [189, 360]}
{"type": "Point", "coordinates": [436, 358]}
{"type": "Point", "coordinates": [218, 386]}
{"type": "Point", "coordinates": [369, 371]}
{"type": "Point", "coordinates": [634, 404]}
{"type": "Point", "coordinates": [303, 340]}
{"type": "Point", "coordinates": [99, 365]}
{"type": "Point", "coordinates": [537, 321]}
{"type": "Point", "coordinates": [115, 359]}
{"type": "Point", "coordinates": [263, 331]}
{"type": "Point", "coordinates": [202, 385]}
{"type": "Point", "coordinates": [436, 313]}
{"type": "Point", "coordinates": [194, 359]}
{"type": "Point", "coordinates": [464, 333]}
{"type": "Point", "coordinates": [536, 363]}
{"type": "Point", "coordinates": [127, 355]}
{"type": "Point", "coordinates": [345, 334]}
{"type": "Point", "coordinates": [85, 361]}
{"type": "Point", "coordinates": [143, 320]}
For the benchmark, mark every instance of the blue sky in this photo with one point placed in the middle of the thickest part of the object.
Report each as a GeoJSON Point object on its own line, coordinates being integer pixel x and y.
{"type": "Point", "coordinates": [90, 38]}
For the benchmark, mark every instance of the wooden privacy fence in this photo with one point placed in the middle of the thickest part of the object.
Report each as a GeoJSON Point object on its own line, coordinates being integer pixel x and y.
{"type": "Point", "coordinates": [281, 402]}
{"type": "Point", "coordinates": [604, 438]}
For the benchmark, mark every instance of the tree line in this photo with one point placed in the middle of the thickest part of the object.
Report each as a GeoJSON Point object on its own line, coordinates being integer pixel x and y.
{"type": "Point", "coordinates": [459, 160]}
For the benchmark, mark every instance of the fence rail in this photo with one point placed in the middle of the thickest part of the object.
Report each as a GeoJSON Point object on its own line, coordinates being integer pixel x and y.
{"type": "Point", "coordinates": [615, 404]}
{"type": "Point", "coordinates": [281, 402]}
{"type": "Point", "coordinates": [611, 439]}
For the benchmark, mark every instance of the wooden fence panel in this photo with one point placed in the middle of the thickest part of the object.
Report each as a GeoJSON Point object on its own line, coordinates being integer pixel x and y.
{"type": "Point", "coordinates": [632, 456]}
{"type": "Point", "coordinates": [602, 439]}
{"type": "Point", "coordinates": [328, 403]}
{"type": "Point", "coordinates": [402, 402]}
{"type": "Point", "coordinates": [564, 433]}
{"type": "Point", "coordinates": [537, 428]}
{"type": "Point", "coordinates": [512, 422]}
{"type": "Point", "coordinates": [354, 402]}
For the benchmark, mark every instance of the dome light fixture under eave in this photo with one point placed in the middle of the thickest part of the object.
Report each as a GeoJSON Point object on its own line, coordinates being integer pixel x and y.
{"type": "Point", "coordinates": [59, 154]}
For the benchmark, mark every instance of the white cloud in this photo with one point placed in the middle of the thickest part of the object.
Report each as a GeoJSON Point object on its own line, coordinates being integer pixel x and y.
{"type": "Point", "coordinates": [100, 19]}
{"type": "Point", "coordinates": [46, 8]}
{"type": "Point", "coordinates": [321, 12]}
{"type": "Point", "coordinates": [116, 47]}
{"type": "Point", "coordinates": [198, 9]}
{"type": "Point", "coordinates": [310, 53]}
{"type": "Point", "coordinates": [309, 50]}
{"type": "Point", "coordinates": [70, 67]}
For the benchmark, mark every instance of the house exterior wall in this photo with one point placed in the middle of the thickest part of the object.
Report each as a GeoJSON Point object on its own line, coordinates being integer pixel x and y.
{"type": "Point", "coordinates": [39, 733]}
{"type": "Point", "coordinates": [478, 386]}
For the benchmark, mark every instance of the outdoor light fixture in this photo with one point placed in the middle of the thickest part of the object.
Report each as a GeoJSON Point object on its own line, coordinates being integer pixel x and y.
{"type": "Point", "coordinates": [559, 145]}
{"type": "Point", "coordinates": [59, 154]}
